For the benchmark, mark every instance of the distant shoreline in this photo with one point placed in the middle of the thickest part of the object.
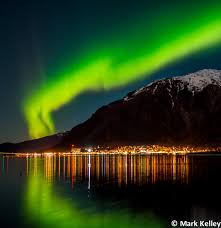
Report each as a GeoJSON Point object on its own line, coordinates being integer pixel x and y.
{"type": "Point", "coordinates": [111, 152]}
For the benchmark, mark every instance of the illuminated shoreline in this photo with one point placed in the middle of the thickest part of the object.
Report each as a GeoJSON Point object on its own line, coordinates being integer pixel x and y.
{"type": "Point", "coordinates": [123, 150]}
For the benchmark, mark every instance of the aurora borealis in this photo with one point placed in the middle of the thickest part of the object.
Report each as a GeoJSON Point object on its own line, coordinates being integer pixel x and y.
{"type": "Point", "coordinates": [114, 68]}
{"type": "Point", "coordinates": [61, 52]}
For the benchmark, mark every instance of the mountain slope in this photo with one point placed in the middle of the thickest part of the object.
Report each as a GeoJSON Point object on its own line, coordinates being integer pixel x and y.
{"type": "Point", "coordinates": [35, 145]}
{"type": "Point", "coordinates": [177, 110]}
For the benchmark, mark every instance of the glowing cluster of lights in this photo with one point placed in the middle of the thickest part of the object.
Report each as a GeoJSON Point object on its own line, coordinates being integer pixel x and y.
{"type": "Point", "coordinates": [124, 150]}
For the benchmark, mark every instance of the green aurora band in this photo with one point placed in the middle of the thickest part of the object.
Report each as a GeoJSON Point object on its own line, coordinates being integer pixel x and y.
{"type": "Point", "coordinates": [122, 62]}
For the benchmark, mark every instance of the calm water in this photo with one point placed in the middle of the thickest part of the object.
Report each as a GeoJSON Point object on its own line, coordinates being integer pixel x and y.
{"type": "Point", "coordinates": [108, 190]}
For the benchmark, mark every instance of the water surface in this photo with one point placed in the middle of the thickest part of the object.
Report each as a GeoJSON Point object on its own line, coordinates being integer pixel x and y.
{"type": "Point", "coordinates": [108, 190]}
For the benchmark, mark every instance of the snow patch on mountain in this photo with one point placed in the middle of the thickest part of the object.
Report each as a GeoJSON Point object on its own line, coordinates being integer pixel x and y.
{"type": "Point", "coordinates": [194, 82]}
{"type": "Point", "coordinates": [199, 80]}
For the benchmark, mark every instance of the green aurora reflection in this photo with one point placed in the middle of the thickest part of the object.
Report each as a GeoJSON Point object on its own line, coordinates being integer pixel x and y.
{"type": "Point", "coordinates": [118, 62]}
{"type": "Point", "coordinates": [45, 208]}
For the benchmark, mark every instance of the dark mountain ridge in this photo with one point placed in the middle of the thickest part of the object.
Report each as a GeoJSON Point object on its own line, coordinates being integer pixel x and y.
{"type": "Point", "coordinates": [34, 145]}
{"type": "Point", "coordinates": [176, 110]}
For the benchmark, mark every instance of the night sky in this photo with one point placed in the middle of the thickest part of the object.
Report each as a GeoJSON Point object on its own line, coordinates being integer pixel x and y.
{"type": "Point", "coordinates": [61, 60]}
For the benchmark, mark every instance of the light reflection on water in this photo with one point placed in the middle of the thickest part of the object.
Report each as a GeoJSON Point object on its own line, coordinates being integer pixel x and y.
{"type": "Point", "coordinates": [120, 168]}
{"type": "Point", "coordinates": [110, 190]}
